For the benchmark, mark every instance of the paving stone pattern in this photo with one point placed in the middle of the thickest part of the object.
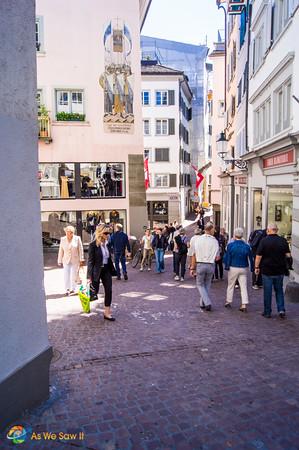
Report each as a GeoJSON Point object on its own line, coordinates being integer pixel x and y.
{"type": "Point", "coordinates": [166, 375]}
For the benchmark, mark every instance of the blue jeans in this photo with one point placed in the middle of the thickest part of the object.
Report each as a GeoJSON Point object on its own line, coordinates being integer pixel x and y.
{"type": "Point", "coordinates": [120, 257]}
{"type": "Point", "coordinates": [159, 253]}
{"type": "Point", "coordinates": [277, 282]}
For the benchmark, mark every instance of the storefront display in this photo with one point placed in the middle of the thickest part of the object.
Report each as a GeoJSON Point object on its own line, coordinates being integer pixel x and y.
{"type": "Point", "coordinates": [56, 180]}
{"type": "Point", "coordinates": [257, 209]}
{"type": "Point", "coordinates": [102, 180]}
{"type": "Point", "coordinates": [85, 222]}
{"type": "Point", "coordinates": [280, 206]}
{"type": "Point", "coordinates": [157, 213]}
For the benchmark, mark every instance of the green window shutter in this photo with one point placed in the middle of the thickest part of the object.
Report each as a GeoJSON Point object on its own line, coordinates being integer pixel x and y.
{"type": "Point", "coordinates": [172, 180]}
{"type": "Point", "coordinates": [171, 127]}
{"type": "Point", "coordinates": [171, 98]}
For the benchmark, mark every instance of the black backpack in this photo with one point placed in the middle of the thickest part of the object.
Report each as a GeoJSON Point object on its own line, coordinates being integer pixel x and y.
{"type": "Point", "coordinates": [182, 246]}
{"type": "Point", "coordinates": [255, 238]}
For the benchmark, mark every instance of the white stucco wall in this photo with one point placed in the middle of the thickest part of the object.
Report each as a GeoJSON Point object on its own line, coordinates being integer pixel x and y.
{"type": "Point", "coordinates": [23, 327]}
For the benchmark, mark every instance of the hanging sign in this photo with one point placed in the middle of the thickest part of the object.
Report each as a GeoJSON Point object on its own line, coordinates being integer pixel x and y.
{"type": "Point", "coordinates": [235, 7]}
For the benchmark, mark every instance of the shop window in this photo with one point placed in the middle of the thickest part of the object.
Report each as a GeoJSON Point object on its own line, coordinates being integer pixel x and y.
{"type": "Point", "coordinates": [280, 206]}
{"type": "Point", "coordinates": [57, 180]}
{"type": "Point", "coordinates": [257, 209]}
{"type": "Point", "coordinates": [53, 224]}
{"type": "Point", "coordinates": [98, 180]}
{"type": "Point", "coordinates": [90, 219]}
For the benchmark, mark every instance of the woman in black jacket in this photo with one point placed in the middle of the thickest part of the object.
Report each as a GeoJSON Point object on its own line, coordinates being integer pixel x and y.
{"type": "Point", "coordinates": [101, 267]}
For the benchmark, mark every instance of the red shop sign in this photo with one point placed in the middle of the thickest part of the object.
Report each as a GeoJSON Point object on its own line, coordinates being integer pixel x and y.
{"type": "Point", "coordinates": [280, 159]}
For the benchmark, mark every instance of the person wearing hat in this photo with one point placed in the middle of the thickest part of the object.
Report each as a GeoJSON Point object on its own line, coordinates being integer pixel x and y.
{"type": "Point", "coordinates": [71, 256]}
{"type": "Point", "coordinates": [180, 254]}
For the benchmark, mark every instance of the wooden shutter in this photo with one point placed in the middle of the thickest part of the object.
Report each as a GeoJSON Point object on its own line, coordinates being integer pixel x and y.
{"type": "Point", "coordinates": [171, 98]}
{"type": "Point", "coordinates": [172, 180]}
{"type": "Point", "coordinates": [171, 128]}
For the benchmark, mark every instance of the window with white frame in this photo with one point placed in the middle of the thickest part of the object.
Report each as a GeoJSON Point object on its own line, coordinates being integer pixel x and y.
{"type": "Point", "coordinates": [282, 103]}
{"type": "Point", "coordinates": [162, 127]}
{"type": "Point", "coordinates": [146, 127]}
{"type": "Point", "coordinates": [69, 101]}
{"type": "Point", "coordinates": [145, 98]}
{"type": "Point", "coordinates": [282, 10]}
{"type": "Point", "coordinates": [161, 98]}
{"type": "Point", "coordinates": [39, 34]}
{"type": "Point", "coordinates": [221, 109]}
{"type": "Point", "coordinates": [262, 121]}
{"type": "Point", "coordinates": [258, 49]}
{"type": "Point", "coordinates": [39, 98]}
{"type": "Point", "coordinates": [161, 180]}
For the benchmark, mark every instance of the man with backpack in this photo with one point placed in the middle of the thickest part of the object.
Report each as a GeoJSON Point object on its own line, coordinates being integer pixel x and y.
{"type": "Point", "coordinates": [254, 240]}
{"type": "Point", "coordinates": [180, 255]}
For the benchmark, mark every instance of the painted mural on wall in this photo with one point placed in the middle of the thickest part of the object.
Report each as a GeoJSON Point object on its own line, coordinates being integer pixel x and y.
{"type": "Point", "coordinates": [117, 79]}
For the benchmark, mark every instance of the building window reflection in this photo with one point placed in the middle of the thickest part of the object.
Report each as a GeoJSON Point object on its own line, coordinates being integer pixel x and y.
{"type": "Point", "coordinates": [280, 206]}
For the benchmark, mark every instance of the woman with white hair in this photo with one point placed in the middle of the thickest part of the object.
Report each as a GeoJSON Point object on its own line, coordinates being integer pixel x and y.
{"type": "Point", "coordinates": [71, 256]}
{"type": "Point", "coordinates": [237, 259]}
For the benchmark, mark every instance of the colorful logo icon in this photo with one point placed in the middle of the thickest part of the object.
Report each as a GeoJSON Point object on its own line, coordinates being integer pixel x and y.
{"type": "Point", "coordinates": [17, 434]}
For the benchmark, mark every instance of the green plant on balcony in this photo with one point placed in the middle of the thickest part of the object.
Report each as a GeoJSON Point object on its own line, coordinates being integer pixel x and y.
{"type": "Point", "coordinates": [43, 117]}
{"type": "Point", "coordinates": [71, 117]}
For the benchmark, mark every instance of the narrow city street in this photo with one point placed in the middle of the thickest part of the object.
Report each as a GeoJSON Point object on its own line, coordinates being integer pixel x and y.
{"type": "Point", "coordinates": [167, 375]}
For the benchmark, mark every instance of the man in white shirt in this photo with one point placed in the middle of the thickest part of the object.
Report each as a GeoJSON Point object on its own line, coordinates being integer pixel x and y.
{"type": "Point", "coordinates": [204, 251]}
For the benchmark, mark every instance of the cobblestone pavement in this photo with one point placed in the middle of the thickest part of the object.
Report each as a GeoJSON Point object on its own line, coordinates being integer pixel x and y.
{"type": "Point", "coordinates": [166, 375]}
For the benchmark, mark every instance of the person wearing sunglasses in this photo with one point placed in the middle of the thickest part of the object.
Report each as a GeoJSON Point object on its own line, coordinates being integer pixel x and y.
{"type": "Point", "coordinates": [101, 268]}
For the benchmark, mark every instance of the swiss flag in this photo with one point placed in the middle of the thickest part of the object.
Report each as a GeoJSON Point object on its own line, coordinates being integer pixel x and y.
{"type": "Point", "coordinates": [199, 177]}
{"type": "Point", "coordinates": [146, 174]}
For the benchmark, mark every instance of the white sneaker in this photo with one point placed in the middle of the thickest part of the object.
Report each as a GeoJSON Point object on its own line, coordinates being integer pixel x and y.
{"type": "Point", "coordinates": [176, 278]}
{"type": "Point", "coordinates": [149, 269]}
{"type": "Point", "coordinates": [182, 278]}
{"type": "Point", "coordinates": [255, 286]}
{"type": "Point", "coordinates": [141, 269]}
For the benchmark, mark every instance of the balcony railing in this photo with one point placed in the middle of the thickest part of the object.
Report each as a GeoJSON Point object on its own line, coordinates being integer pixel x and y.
{"type": "Point", "coordinates": [44, 129]}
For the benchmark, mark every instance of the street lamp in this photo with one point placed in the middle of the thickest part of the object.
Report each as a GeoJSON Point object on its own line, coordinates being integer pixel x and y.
{"type": "Point", "coordinates": [222, 152]}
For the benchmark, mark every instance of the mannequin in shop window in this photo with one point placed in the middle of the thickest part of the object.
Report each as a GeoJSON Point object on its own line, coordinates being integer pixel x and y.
{"type": "Point", "coordinates": [85, 187]}
{"type": "Point", "coordinates": [101, 184]}
{"type": "Point", "coordinates": [109, 182]}
{"type": "Point", "coordinates": [114, 216]}
{"type": "Point", "coordinates": [66, 187]}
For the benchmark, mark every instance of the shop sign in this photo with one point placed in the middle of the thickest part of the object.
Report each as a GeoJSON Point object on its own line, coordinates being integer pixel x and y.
{"type": "Point", "coordinates": [280, 159]}
{"type": "Point", "coordinates": [174, 197]}
{"type": "Point", "coordinates": [241, 180]}
{"type": "Point", "coordinates": [235, 7]}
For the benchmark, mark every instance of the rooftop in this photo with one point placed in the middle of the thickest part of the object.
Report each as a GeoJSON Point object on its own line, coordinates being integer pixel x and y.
{"type": "Point", "coordinates": [150, 67]}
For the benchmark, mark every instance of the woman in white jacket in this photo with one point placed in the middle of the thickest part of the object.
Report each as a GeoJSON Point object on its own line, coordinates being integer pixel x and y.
{"type": "Point", "coordinates": [71, 256]}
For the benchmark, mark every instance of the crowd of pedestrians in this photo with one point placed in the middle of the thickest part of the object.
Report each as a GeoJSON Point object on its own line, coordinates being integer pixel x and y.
{"type": "Point", "coordinates": [207, 254]}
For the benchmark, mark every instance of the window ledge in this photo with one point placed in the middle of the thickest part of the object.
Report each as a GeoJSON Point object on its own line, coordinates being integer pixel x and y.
{"type": "Point", "coordinates": [76, 123]}
{"type": "Point", "coordinates": [41, 53]}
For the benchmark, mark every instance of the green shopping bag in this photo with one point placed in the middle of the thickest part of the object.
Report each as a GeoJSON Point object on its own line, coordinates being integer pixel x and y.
{"type": "Point", "coordinates": [84, 296]}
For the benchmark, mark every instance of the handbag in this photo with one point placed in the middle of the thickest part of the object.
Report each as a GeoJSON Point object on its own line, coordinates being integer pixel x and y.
{"type": "Point", "coordinates": [84, 296]}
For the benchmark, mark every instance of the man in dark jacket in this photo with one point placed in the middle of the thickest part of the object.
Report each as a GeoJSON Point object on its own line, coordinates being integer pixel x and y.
{"type": "Point", "coordinates": [159, 245]}
{"type": "Point", "coordinates": [120, 242]}
{"type": "Point", "coordinates": [254, 239]}
{"type": "Point", "coordinates": [273, 258]}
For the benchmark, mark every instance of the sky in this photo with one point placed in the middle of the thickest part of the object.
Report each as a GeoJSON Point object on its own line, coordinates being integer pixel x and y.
{"type": "Point", "coordinates": [188, 21]}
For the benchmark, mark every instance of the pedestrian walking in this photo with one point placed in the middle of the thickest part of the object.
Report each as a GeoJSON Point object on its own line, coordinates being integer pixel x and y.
{"type": "Point", "coordinates": [100, 267]}
{"type": "Point", "coordinates": [175, 234]}
{"type": "Point", "coordinates": [71, 256]}
{"type": "Point", "coordinates": [200, 219]}
{"type": "Point", "coordinates": [237, 259]}
{"type": "Point", "coordinates": [222, 246]}
{"type": "Point", "coordinates": [120, 243]}
{"type": "Point", "coordinates": [273, 259]}
{"type": "Point", "coordinates": [180, 254]}
{"type": "Point", "coordinates": [159, 245]}
{"type": "Point", "coordinates": [204, 251]}
{"type": "Point", "coordinates": [146, 241]}
{"type": "Point", "coordinates": [255, 238]}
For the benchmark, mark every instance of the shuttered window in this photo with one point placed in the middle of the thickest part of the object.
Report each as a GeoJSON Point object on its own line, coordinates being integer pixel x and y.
{"type": "Point", "coordinates": [171, 98]}
{"type": "Point", "coordinates": [171, 127]}
{"type": "Point", "coordinates": [172, 180]}
{"type": "Point", "coordinates": [161, 154]}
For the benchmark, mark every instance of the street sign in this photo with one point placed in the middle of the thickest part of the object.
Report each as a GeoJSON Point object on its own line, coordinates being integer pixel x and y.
{"type": "Point", "coordinates": [235, 9]}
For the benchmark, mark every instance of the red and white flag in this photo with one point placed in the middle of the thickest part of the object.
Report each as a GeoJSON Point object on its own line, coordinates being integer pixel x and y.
{"type": "Point", "coordinates": [199, 177]}
{"type": "Point", "coordinates": [146, 174]}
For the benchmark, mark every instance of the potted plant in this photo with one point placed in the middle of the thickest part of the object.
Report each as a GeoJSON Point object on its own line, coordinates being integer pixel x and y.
{"type": "Point", "coordinates": [43, 115]}
{"type": "Point", "coordinates": [70, 117]}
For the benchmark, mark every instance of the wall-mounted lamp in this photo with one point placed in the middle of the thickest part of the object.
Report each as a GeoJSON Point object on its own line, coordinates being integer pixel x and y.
{"type": "Point", "coordinates": [222, 153]}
